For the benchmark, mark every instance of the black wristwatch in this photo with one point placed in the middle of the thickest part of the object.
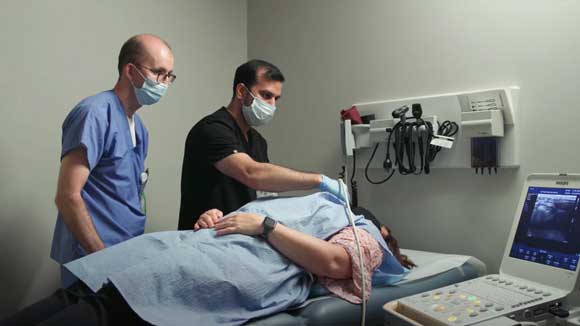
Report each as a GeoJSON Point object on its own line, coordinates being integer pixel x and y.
{"type": "Point", "coordinates": [268, 225]}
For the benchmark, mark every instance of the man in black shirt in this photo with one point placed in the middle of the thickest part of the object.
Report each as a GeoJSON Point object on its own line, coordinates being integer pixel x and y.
{"type": "Point", "coordinates": [226, 160]}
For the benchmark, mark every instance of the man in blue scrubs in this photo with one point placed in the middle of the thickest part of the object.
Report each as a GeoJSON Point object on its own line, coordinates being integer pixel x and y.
{"type": "Point", "coordinates": [104, 146]}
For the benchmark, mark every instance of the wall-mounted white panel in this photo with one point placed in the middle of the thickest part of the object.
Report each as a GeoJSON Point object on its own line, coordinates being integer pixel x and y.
{"type": "Point", "coordinates": [447, 107]}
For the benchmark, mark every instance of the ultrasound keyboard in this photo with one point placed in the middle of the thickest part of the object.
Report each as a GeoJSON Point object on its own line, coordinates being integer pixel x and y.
{"type": "Point", "coordinates": [483, 298]}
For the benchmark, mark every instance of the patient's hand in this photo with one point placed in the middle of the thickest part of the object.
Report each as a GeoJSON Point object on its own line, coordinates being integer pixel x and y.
{"type": "Point", "coordinates": [244, 223]}
{"type": "Point", "coordinates": [208, 219]}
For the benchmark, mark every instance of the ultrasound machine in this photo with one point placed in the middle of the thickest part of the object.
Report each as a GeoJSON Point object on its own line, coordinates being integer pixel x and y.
{"type": "Point", "coordinates": [538, 274]}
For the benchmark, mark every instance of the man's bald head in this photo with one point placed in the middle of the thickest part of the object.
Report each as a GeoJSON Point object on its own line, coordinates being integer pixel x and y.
{"type": "Point", "coordinates": [140, 47]}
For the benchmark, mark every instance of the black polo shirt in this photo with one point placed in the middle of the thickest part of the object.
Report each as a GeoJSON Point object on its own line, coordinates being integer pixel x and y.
{"type": "Point", "coordinates": [202, 185]}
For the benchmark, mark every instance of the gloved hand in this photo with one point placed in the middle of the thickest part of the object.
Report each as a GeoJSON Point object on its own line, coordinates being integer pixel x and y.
{"type": "Point", "coordinates": [332, 186]}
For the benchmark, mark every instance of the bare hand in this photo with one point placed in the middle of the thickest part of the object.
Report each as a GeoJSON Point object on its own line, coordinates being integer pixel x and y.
{"type": "Point", "coordinates": [208, 219]}
{"type": "Point", "coordinates": [97, 247]}
{"type": "Point", "coordinates": [244, 223]}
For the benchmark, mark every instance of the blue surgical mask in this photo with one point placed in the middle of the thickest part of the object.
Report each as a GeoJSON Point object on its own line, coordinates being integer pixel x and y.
{"type": "Point", "coordinates": [259, 112]}
{"type": "Point", "coordinates": [150, 92]}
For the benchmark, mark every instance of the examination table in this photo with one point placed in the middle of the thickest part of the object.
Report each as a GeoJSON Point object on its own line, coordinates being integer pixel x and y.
{"type": "Point", "coordinates": [434, 270]}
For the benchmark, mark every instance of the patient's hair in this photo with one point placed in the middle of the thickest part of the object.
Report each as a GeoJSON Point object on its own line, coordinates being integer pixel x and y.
{"type": "Point", "coordinates": [394, 246]}
{"type": "Point", "coordinates": [247, 73]}
{"type": "Point", "coordinates": [391, 241]}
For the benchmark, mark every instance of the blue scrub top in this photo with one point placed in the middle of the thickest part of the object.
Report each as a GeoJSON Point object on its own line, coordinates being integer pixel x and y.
{"type": "Point", "coordinates": [112, 191]}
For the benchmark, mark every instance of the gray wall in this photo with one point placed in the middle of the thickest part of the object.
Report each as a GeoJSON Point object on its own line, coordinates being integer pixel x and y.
{"type": "Point", "coordinates": [337, 52]}
{"type": "Point", "coordinates": [54, 53]}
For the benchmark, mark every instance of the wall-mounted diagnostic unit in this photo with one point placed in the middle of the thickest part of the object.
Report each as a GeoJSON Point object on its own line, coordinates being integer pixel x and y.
{"type": "Point", "coordinates": [471, 129]}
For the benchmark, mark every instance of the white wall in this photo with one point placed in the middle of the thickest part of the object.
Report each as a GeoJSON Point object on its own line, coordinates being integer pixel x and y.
{"type": "Point", "coordinates": [337, 52]}
{"type": "Point", "coordinates": [53, 54]}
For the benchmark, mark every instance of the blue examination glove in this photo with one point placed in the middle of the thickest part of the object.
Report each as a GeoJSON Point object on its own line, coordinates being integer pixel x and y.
{"type": "Point", "coordinates": [332, 186]}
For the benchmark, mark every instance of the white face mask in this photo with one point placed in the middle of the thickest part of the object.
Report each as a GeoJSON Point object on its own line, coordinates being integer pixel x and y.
{"type": "Point", "coordinates": [258, 113]}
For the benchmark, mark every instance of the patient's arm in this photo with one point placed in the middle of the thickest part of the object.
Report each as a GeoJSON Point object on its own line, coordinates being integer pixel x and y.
{"type": "Point", "coordinates": [351, 289]}
{"type": "Point", "coordinates": [266, 176]}
{"type": "Point", "coordinates": [314, 255]}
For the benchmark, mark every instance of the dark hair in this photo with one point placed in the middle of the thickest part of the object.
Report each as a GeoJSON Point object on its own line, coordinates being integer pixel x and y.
{"type": "Point", "coordinates": [247, 73]}
{"type": "Point", "coordinates": [368, 215]}
{"type": "Point", "coordinates": [391, 241]}
{"type": "Point", "coordinates": [133, 51]}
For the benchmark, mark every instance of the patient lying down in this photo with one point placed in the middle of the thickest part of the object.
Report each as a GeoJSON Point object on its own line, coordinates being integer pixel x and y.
{"type": "Point", "coordinates": [224, 273]}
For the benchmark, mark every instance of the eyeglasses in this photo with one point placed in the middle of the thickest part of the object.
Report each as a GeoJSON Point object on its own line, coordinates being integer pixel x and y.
{"type": "Point", "coordinates": [161, 77]}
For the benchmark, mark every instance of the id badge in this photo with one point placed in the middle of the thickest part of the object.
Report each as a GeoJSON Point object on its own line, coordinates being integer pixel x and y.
{"type": "Point", "coordinates": [144, 177]}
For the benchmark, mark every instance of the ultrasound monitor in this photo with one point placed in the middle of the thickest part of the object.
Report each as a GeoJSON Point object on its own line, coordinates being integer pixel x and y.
{"type": "Point", "coordinates": [544, 242]}
{"type": "Point", "coordinates": [549, 227]}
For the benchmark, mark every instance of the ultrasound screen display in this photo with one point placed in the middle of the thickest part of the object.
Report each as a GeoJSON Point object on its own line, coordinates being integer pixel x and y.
{"type": "Point", "coordinates": [549, 230]}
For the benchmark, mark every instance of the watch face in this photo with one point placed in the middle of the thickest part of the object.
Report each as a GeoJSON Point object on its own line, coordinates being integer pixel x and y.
{"type": "Point", "coordinates": [269, 222]}
{"type": "Point", "coordinates": [269, 225]}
